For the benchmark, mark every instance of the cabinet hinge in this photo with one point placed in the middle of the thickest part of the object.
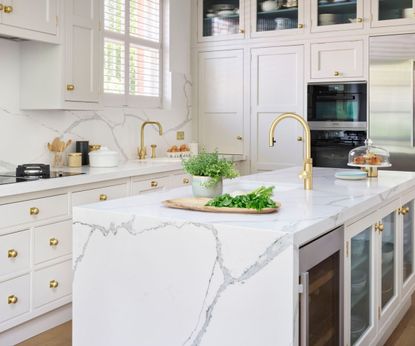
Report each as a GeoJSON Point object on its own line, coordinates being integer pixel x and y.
{"type": "Point", "coordinates": [347, 249]}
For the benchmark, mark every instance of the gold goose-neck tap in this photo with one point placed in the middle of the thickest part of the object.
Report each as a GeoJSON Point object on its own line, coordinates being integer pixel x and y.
{"type": "Point", "coordinates": [307, 173]}
{"type": "Point", "coordinates": [142, 152]}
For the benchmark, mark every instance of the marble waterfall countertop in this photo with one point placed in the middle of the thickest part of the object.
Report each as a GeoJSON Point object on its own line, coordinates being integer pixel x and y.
{"type": "Point", "coordinates": [148, 275]}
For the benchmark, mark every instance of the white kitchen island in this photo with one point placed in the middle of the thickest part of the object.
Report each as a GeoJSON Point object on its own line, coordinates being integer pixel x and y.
{"type": "Point", "coordinates": [151, 276]}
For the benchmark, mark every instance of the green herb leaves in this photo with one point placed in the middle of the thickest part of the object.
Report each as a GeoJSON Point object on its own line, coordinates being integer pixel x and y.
{"type": "Point", "coordinates": [258, 199]}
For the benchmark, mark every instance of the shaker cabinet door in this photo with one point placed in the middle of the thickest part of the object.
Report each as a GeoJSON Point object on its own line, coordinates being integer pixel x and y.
{"type": "Point", "coordinates": [34, 15]}
{"type": "Point", "coordinates": [83, 53]}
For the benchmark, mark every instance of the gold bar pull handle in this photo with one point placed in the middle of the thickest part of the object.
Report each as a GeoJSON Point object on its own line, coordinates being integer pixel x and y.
{"type": "Point", "coordinates": [12, 253]}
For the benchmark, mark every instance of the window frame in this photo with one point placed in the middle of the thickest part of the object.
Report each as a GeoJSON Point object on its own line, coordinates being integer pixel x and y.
{"type": "Point", "coordinates": [127, 100]}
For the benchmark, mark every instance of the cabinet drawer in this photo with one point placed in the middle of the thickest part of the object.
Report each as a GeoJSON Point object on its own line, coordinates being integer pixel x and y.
{"type": "Point", "coordinates": [52, 241]}
{"type": "Point", "coordinates": [14, 298]}
{"type": "Point", "coordinates": [337, 60]}
{"type": "Point", "coordinates": [52, 283]}
{"type": "Point", "coordinates": [100, 194]}
{"type": "Point", "coordinates": [181, 180]}
{"type": "Point", "coordinates": [21, 213]}
{"type": "Point", "coordinates": [14, 252]}
{"type": "Point", "coordinates": [151, 185]}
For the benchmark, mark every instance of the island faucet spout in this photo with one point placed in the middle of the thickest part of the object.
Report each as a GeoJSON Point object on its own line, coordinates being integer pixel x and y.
{"type": "Point", "coordinates": [142, 152]}
{"type": "Point", "coordinates": [307, 173]}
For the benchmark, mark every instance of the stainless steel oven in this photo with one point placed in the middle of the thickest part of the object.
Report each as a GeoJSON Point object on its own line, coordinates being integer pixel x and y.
{"type": "Point", "coordinates": [330, 148]}
{"type": "Point", "coordinates": [321, 299]}
{"type": "Point", "coordinates": [337, 105]}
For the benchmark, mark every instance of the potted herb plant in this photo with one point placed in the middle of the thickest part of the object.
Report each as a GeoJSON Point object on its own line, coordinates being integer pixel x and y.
{"type": "Point", "coordinates": [208, 171]}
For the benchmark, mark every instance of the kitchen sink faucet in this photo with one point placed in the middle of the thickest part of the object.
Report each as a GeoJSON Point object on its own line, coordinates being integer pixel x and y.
{"type": "Point", "coordinates": [142, 151]}
{"type": "Point", "coordinates": [307, 173]}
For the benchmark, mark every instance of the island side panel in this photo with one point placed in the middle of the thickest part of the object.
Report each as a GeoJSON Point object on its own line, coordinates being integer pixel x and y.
{"type": "Point", "coordinates": [144, 281]}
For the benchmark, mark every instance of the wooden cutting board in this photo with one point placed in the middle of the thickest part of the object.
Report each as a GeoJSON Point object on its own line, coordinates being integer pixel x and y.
{"type": "Point", "coordinates": [199, 204]}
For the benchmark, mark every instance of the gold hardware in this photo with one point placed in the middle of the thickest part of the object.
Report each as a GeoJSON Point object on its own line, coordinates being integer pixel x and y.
{"type": "Point", "coordinates": [359, 20]}
{"type": "Point", "coordinates": [300, 26]}
{"type": "Point", "coordinates": [239, 138]}
{"type": "Point", "coordinates": [94, 147]}
{"type": "Point", "coordinates": [8, 9]}
{"type": "Point", "coordinates": [53, 242]}
{"type": "Point", "coordinates": [1, 7]}
{"type": "Point", "coordinates": [186, 181]}
{"type": "Point", "coordinates": [380, 227]}
{"type": "Point", "coordinates": [153, 151]}
{"type": "Point", "coordinates": [307, 173]}
{"type": "Point", "coordinates": [70, 87]}
{"type": "Point", "coordinates": [12, 253]}
{"type": "Point", "coordinates": [12, 299]}
{"type": "Point", "coordinates": [154, 183]}
{"type": "Point", "coordinates": [336, 73]}
{"type": "Point", "coordinates": [34, 211]}
{"type": "Point", "coordinates": [142, 152]}
{"type": "Point", "coordinates": [347, 249]}
{"type": "Point", "coordinates": [241, 31]}
{"type": "Point", "coordinates": [300, 139]}
{"type": "Point", "coordinates": [53, 284]}
{"type": "Point", "coordinates": [103, 197]}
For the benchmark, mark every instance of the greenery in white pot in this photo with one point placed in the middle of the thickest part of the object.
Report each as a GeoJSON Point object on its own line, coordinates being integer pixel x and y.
{"type": "Point", "coordinates": [208, 171]}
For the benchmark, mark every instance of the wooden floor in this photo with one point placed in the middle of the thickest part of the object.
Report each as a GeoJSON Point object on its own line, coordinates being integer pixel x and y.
{"type": "Point", "coordinates": [404, 335]}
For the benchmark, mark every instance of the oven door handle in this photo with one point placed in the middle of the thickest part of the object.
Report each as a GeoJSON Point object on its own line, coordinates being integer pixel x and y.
{"type": "Point", "coordinates": [304, 318]}
{"type": "Point", "coordinates": [336, 98]}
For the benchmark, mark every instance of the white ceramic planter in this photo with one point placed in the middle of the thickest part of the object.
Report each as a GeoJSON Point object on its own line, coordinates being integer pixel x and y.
{"type": "Point", "coordinates": [200, 190]}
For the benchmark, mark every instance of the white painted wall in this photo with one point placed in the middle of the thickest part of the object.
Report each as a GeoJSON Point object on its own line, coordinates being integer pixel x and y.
{"type": "Point", "coordinates": [24, 134]}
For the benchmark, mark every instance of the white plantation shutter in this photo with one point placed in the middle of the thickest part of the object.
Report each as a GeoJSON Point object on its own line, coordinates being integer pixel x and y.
{"type": "Point", "coordinates": [132, 51]}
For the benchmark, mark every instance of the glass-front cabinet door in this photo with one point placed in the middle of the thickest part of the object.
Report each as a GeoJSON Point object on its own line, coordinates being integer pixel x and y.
{"type": "Point", "coordinates": [221, 19]}
{"type": "Point", "coordinates": [329, 15]}
{"type": "Point", "coordinates": [393, 12]}
{"type": "Point", "coordinates": [278, 16]}
{"type": "Point", "coordinates": [408, 231]}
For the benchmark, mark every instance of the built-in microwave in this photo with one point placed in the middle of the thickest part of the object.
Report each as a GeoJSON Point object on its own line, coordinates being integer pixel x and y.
{"type": "Point", "coordinates": [332, 106]}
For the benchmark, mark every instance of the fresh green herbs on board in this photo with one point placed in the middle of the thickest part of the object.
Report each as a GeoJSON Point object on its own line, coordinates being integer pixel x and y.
{"type": "Point", "coordinates": [258, 199]}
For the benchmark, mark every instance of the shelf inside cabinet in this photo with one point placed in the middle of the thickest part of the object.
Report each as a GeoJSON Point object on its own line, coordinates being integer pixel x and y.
{"type": "Point", "coordinates": [286, 12]}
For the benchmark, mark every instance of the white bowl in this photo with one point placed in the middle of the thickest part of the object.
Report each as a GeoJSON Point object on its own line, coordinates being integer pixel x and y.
{"type": "Point", "coordinates": [103, 158]}
{"type": "Point", "coordinates": [270, 5]}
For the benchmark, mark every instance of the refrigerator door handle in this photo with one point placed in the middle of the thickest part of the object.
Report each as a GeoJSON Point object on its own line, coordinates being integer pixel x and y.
{"type": "Point", "coordinates": [304, 320]}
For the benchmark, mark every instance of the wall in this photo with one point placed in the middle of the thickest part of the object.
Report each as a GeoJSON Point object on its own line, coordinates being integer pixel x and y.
{"type": "Point", "coordinates": [24, 134]}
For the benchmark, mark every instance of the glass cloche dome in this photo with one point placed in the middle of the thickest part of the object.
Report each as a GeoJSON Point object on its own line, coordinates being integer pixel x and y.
{"type": "Point", "coordinates": [370, 157]}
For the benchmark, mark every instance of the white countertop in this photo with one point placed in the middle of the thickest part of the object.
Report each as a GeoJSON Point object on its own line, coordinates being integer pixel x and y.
{"type": "Point", "coordinates": [92, 175]}
{"type": "Point", "coordinates": [305, 214]}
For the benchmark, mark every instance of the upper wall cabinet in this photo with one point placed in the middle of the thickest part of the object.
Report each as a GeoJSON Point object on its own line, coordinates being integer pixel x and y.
{"type": "Point", "coordinates": [390, 13]}
{"type": "Point", "coordinates": [33, 20]}
{"type": "Point", "coordinates": [277, 17]}
{"type": "Point", "coordinates": [336, 15]}
{"type": "Point", "coordinates": [221, 19]}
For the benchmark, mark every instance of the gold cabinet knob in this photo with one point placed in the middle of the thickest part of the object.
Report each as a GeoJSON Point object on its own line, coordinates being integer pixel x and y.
{"type": "Point", "coordinates": [53, 284]}
{"type": "Point", "coordinates": [336, 73]}
{"type": "Point", "coordinates": [34, 211]}
{"type": "Point", "coordinates": [12, 253]}
{"type": "Point", "coordinates": [12, 299]}
{"type": "Point", "coordinates": [300, 26]}
{"type": "Point", "coordinates": [103, 197]}
{"type": "Point", "coordinates": [186, 181]}
{"type": "Point", "coordinates": [70, 87]}
{"type": "Point", "coordinates": [241, 31]}
{"type": "Point", "coordinates": [380, 227]}
{"type": "Point", "coordinates": [403, 210]}
{"type": "Point", "coordinates": [300, 139]}
{"type": "Point", "coordinates": [8, 9]}
{"type": "Point", "coordinates": [239, 138]}
{"type": "Point", "coordinates": [53, 242]}
{"type": "Point", "coordinates": [359, 20]}
{"type": "Point", "coordinates": [154, 183]}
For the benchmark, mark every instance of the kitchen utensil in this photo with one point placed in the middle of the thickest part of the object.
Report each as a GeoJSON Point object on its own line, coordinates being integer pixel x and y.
{"type": "Point", "coordinates": [351, 175]}
{"type": "Point", "coordinates": [103, 158]}
{"type": "Point", "coordinates": [83, 147]}
{"type": "Point", "coordinates": [199, 204]}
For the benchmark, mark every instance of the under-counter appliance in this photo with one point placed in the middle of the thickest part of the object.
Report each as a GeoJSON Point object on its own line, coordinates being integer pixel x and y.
{"type": "Point", "coordinates": [334, 105]}
{"type": "Point", "coordinates": [321, 282]}
{"type": "Point", "coordinates": [392, 97]}
{"type": "Point", "coordinates": [31, 172]}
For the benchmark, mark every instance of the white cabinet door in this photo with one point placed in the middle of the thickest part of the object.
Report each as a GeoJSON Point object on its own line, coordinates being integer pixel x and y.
{"type": "Point", "coordinates": [221, 102]}
{"type": "Point", "coordinates": [277, 87]}
{"type": "Point", "coordinates": [83, 53]}
{"type": "Point", "coordinates": [337, 60]}
{"type": "Point", "coordinates": [35, 15]}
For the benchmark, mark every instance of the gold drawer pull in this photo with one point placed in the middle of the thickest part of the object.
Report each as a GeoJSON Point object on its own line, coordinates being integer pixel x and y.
{"type": "Point", "coordinates": [34, 211]}
{"type": "Point", "coordinates": [70, 87]}
{"type": "Point", "coordinates": [359, 20]}
{"type": "Point", "coordinates": [241, 31]}
{"type": "Point", "coordinates": [300, 139]}
{"type": "Point", "coordinates": [53, 284]}
{"type": "Point", "coordinates": [103, 197]}
{"type": "Point", "coordinates": [186, 181]}
{"type": "Point", "coordinates": [12, 299]}
{"type": "Point", "coordinates": [53, 242]}
{"type": "Point", "coordinates": [154, 183]}
{"type": "Point", "coordinates": [12, 253]}
{"type": "Point", "coordinates": [380, 227]}
{"type": "Point", "coordinates": [336, 73]}
{"type": "Point", "coordinates": [239, 138]}
{"type": "Point", "coordinates": [300, 26]}
{"type": "Point", "coordinates": [8, 9]}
